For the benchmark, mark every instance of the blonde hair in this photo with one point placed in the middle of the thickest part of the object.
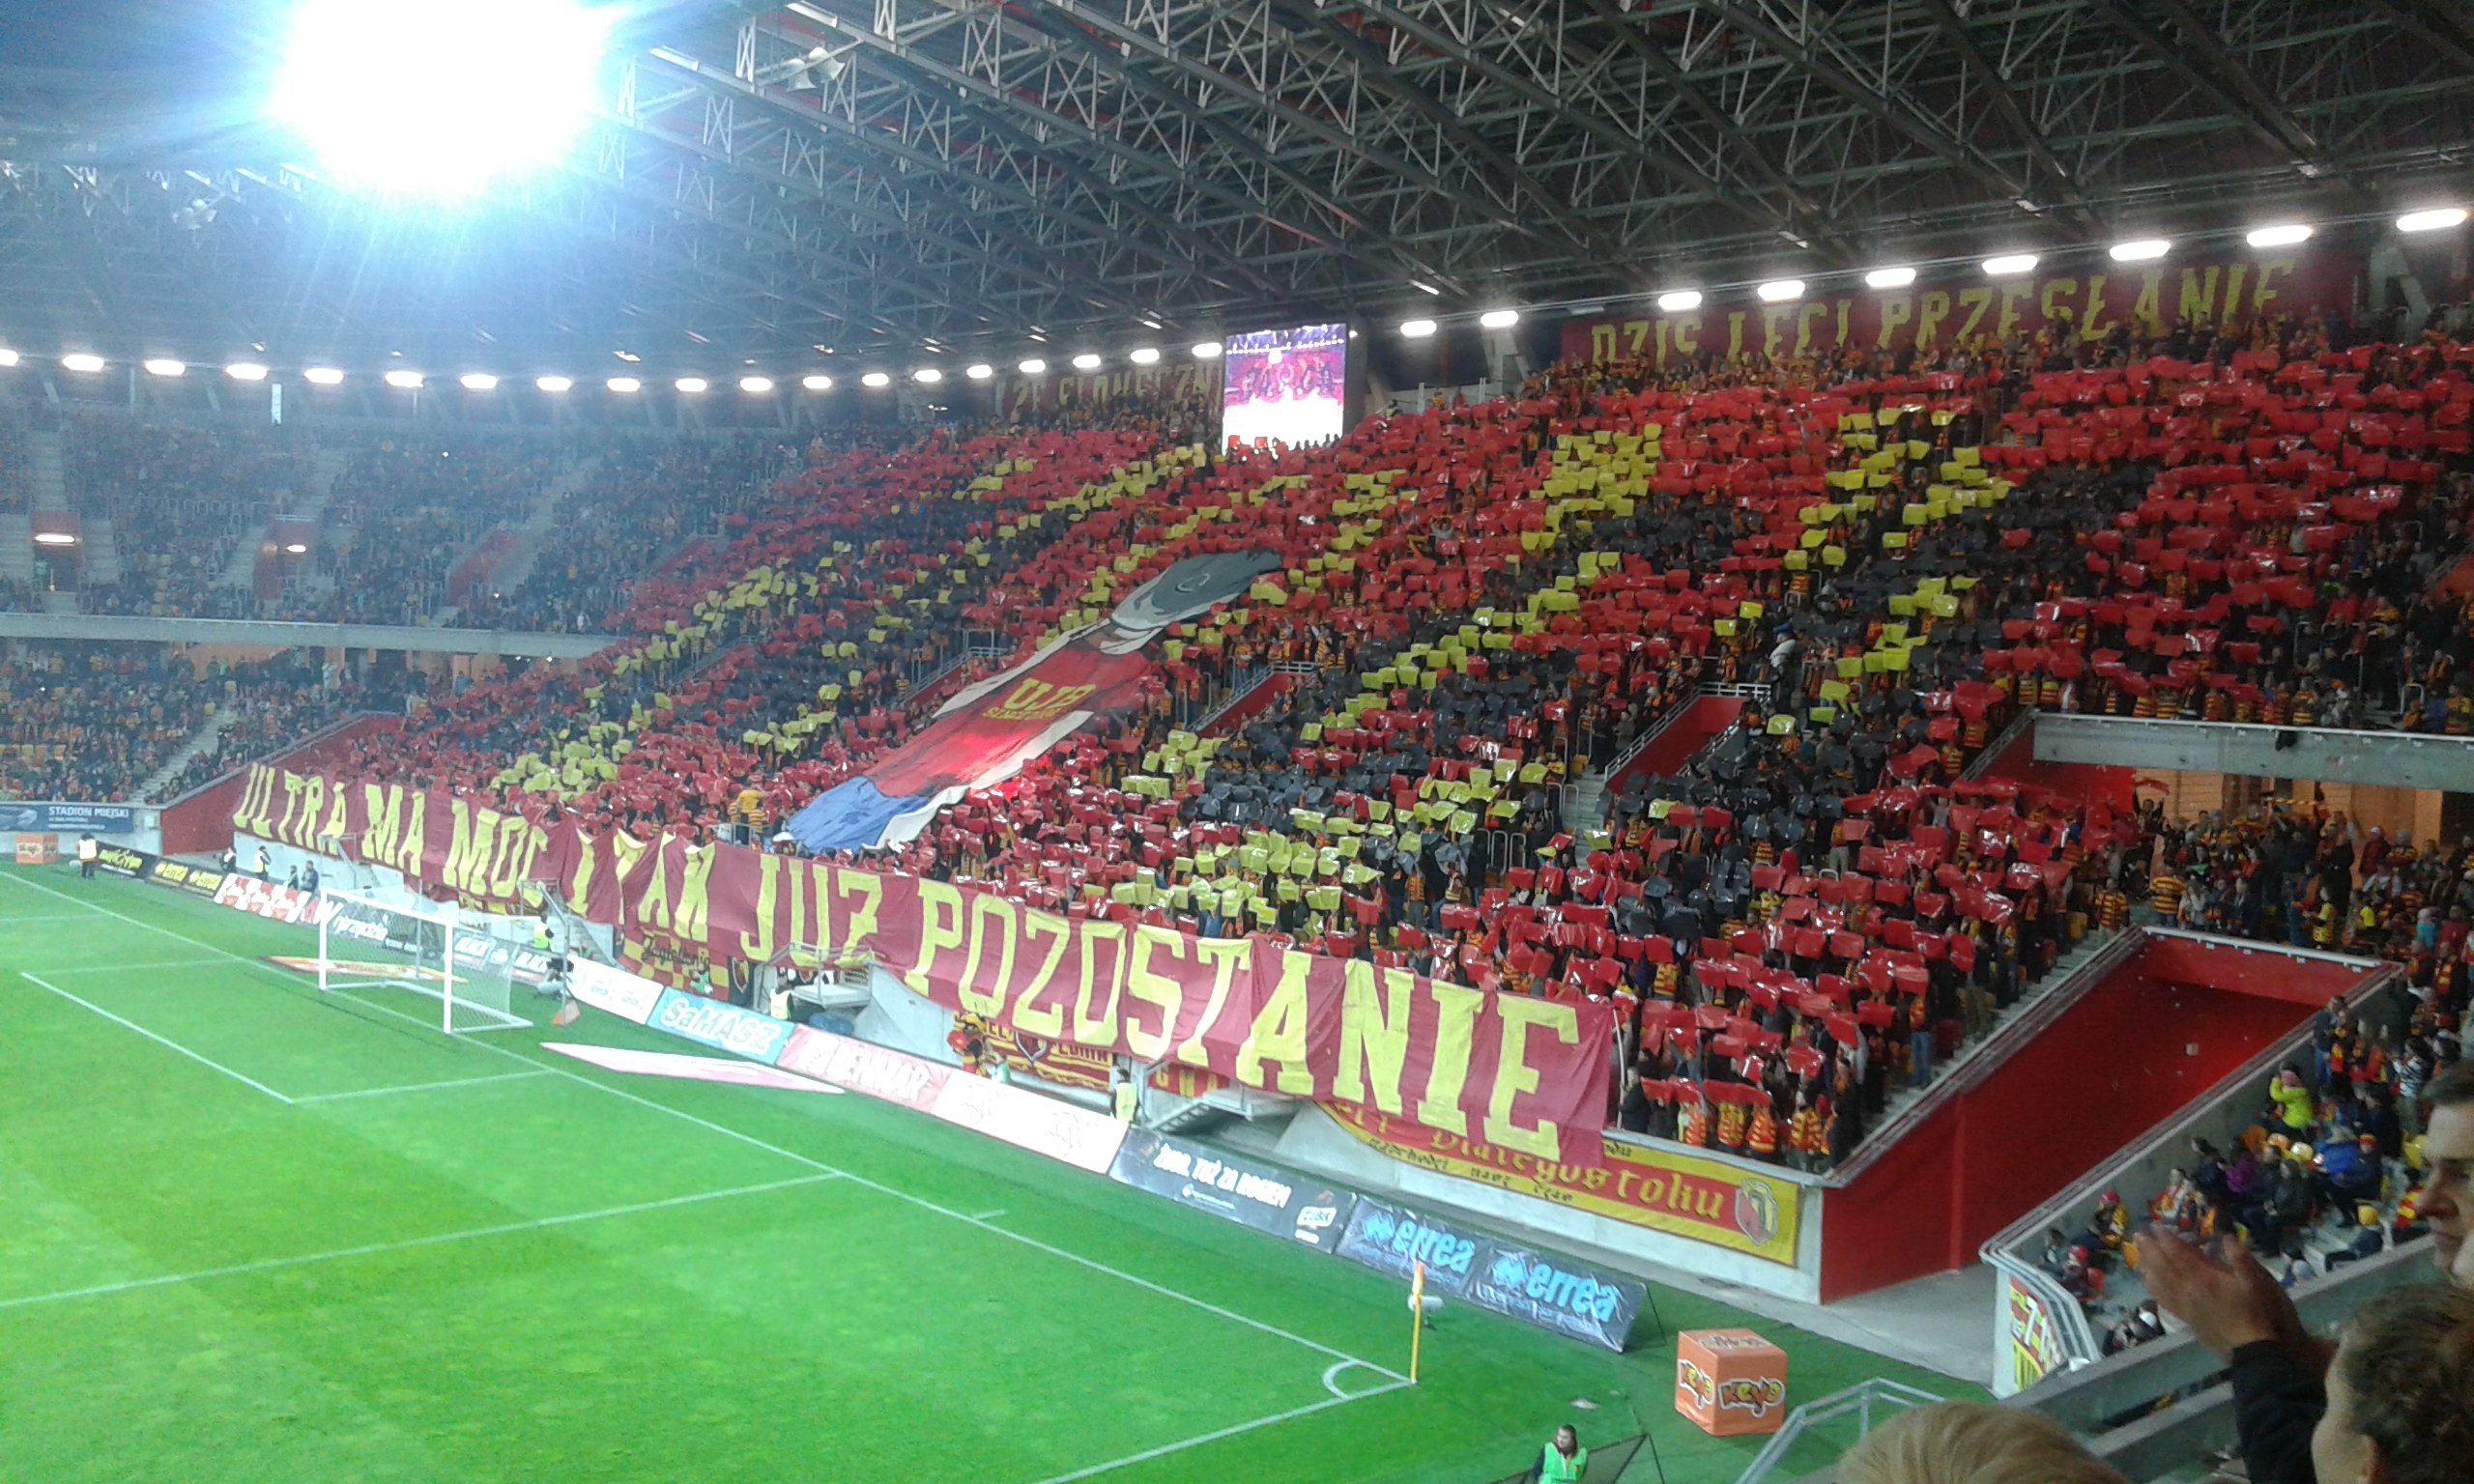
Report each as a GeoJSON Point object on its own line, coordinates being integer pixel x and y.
{"type": "Point", "coordinates": [1972, 1442]}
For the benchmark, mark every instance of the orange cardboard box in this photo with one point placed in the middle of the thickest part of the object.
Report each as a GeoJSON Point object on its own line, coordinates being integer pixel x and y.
{"type": "Point", "coordinates": [38, 849]}
{"type": "Point", "coordinates": [1730, 1382]}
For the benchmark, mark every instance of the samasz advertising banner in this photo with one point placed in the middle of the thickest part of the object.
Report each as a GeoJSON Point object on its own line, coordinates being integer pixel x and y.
{"type": "Point", "coordinates": [722, 1026]}
{"type": "Point", "coordinates": [1258, 1196]}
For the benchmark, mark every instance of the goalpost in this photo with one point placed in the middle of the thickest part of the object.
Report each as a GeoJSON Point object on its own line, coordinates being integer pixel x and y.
{"type": "Point", "coordinates": [422, 950]}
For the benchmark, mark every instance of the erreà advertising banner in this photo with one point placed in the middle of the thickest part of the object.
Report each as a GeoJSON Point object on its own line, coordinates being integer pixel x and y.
{"type": "Point", "coordinates": [985, 734]}
{"type": "Point", "coordinates": [1961, 304]}
{"type": "Point", "coordinates": [1516, 1281]}
{"type": "Point", "coordinates": [1514, 1073]}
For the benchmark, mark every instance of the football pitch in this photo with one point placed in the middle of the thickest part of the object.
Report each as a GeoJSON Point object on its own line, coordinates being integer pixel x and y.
{"type": "Point", "coordinates": [251, 1233]}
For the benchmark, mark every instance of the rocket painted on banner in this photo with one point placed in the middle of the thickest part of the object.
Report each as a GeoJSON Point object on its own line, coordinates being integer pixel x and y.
{"type": "Point", "coordinates": [985, 734]}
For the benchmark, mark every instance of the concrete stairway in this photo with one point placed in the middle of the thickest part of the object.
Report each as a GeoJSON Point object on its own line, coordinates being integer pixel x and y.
{"type": "Point", "coordinates": [102, 551]}
{"type": "Point", "coordinates": [46, 473]}
{"type": "Point", "coordinates": [199, 741]}
{"type": "Point", "coordinates": [17, 550]}
{"type": "Point", "coordinates": [538, 523]}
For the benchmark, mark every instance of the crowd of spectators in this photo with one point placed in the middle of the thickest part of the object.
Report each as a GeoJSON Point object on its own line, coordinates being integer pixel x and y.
{"type": "Point", "coordinates": [181, 499]}
{"type": "Point", "coordinates": [405, 506]}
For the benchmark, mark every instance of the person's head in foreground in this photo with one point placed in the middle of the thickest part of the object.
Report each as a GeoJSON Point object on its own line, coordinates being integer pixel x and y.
{"type": "Point", "coordinates": [2447, 1200]}
{"type": "Point", "coordinates": [1972, 1442]}
{"type": "Point", "coordinates": [2400, 1394]}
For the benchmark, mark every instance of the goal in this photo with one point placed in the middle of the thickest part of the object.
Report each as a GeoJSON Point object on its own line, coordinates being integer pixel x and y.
{"type": "Point", "coordinates": [367, 944]}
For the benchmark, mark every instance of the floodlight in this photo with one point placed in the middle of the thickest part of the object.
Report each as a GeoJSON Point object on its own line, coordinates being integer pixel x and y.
{"type": "Point", "coordinates": [2291, 234]}
{"type": "Point", "coordinates": [1679, 300]}
{"type": "Point", "coordinates": [1425, 288]}
{"type": "Point", "coordinates": [2436, 219]}
{"type": "Point", "coordinates": [81, 360]}
{"type": "Point", "coordinates": [755, 386]}
{"type": "Point", "coordinates": [1208, 350]}
{"type": "Point", "coordinates": [2140, 251]}
{"type": "Point", "coordinates": [876, 381]}
{"type": "Point", "coordinates": [979, 371]}
{"type": "Point", "coordinates": [692, 386]}
{"type": "Point", "coordinates": [816, 382]}
{"type": "Point", "coordinates": [1499, 319]}
{"type": "Point", "coordinates": [623, 384]}
{"type": "Point", "coordinates": [54, 538]}
{"type": "Point", "coordinates": [1778, 291]}
{"type": "Point", "coordinates": [1417, 329]}
{"type": "Point", "coordinates": [323, 376]}
{"type": "Point", "coordinates": [2010, 265]}
{"type": "Point", "coordinates": [164, 365]}
{"type": "Point", "coordinates": [1889, 278]}
{"type": "Point", "coordinates": [7, 357]}
{"type": "Point", "coordinates": [554, 382]}
{"type": "Point", "coordinates": [927, 376]}
{"type": "Point", "coordinates": [1144, 356]}
{"type": "Point", "coordinates": [245, 371]}
{"type": "Point", "coordinates": [1033, 367]}
{"type": "Point", "coordinates": [1087, 362]}
{"type": "Point", "coordinates": [477, 380]}
{"type": "Point", "coordinates": [297, 549]}
{"type": "Point", "coordinates": [407, 381]}
{"type": "Point", "coordinates": [437, 98]}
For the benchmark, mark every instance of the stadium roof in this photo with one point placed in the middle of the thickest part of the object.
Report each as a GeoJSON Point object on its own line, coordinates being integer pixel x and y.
{"type": "Point", "coordinates": [957, 175]}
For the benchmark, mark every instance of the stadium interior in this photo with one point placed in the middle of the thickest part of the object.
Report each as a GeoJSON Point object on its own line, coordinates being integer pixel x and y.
{"type": "Point", "coordinates": [724, 724]}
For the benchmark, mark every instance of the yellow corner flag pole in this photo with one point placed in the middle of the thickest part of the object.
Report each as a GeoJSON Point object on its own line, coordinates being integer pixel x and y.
{"type": "Point", "coordinates": [1417, 1316]}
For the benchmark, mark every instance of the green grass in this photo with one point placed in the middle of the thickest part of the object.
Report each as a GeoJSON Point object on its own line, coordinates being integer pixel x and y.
{"type": "Point", "coordinates": [551, 1273]}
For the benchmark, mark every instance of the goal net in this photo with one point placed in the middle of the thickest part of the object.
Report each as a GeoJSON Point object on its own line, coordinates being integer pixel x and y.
{"type": "Point", "coordinates": [367, 944]}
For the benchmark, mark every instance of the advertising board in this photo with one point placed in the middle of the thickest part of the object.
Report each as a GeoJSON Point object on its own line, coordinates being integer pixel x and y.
{"type": "Point", "coordinates": [1256, 1195]}
{"type": "Point", "coordinates": [615, 991]}
{"type": "Point", "coordinates": [49, 817]}
{"type": "Point", "coordinates": [722, 1026]}
{"type": "Point", "coordinates": [267, 899]}
{"type": "Point", "coordinates": [1502, 1277]}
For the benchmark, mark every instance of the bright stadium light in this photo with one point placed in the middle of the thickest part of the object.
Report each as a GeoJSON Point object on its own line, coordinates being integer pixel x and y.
{"type": "Point", "coordinates": [7, 357]}
{"type": "Point", "coordinates": [1678, 300]}
{"type": "Point", "coordinates": [927, 376]}
{"type": "Point", "coordinates": [1033, 367]}
{"type": "Point", "coordinates": [979, 371]}
{"type": "Point", "coordinates": [1415, 329]}
{"type": "Point", "coordinates": [555, 383]}
{"type": "Point", "coordinates": [403, 381]}
{"type": "Point", "coordinates": [83, 360]}
{"type": "Point", "coordinates": [876, 381]}
{"type": "Point", "coordinates": [1778, 291]}
{"type": "Point", "coordinates": [2144, 250]}
{"type": "Point", "coordinates": [1499, 319]}
{"type": "Point", "coordinates": [323, 376]}
{"type": "Point", "coordinates": [1087, 362]}
{"type": "Point", "coordinates": [755, 386]}
{"type": "Point", "coordinates": [2436, 219]}
{"type": "Point", "coordinates": [2291, 234]}
{"type": "Point", "coordinates": [164, 365]}
{"type": "Point", "coordinates": [1889, 278]}
{"type": "Point", "coordinates": [477, 380]}
{"type": "Point", "coordinates": [623, 385]}
{"type": "Point", "coordinates": [2010, 265]}
{"type": "Point", "coordinates": [818, 382]}
{"type": "Point", "coordinates": [297, 547]}
{"type": "Point", "coordinates": [1207, 350]}
{"type": "Point", "coordinates": [54, 538]}
{"type": "Point", "coordinates": [245, 371]}
{"type": "Point", "coordinates": [435, 100]}
{"type": "Point", "coordinates": [1144, 356]}
{"type": "Point", "coordinates": [692, 386]}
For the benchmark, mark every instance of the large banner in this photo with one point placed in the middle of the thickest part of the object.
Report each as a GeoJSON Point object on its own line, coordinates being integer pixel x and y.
{"type": "Point", "coordinates": [1960, 304]}
{"type": "Point", "coordinates": [985, 734]}
{"type": "Point", "coordinates": [1503, 1072]}
{"type": "Point", "coordinates": [1704, 1199]}
{"type": "Point", "coordinates": [22, 816]}
{"type": "Point", "coordinates": [1177, 381]}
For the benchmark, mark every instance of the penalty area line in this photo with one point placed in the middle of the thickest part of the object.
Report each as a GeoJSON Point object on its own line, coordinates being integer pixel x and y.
{"type": "Point", "coordinates": [438, 1238]}
{"type": "Point", "coordinates": [423, 1086]}
{"type": "Point", "coordinates": [160, 1041]}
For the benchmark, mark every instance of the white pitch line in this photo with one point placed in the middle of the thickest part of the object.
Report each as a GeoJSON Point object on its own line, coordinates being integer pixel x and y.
{"type": "Point", "coordinates": [423, 1086]}
{"type": "Point", "coordinates": [1179, 1446]}
{"type": "Point", "coordinates": [130, 968]}
{"type": "Point", "coordinates": [1095, 1265]}
{"type": "Point", "coordinates": [161, 1041]}
{"type": "Point", "coordinates": [57, 917]}
{"type": "Point", "coordinates": [988, 1216]}
{"type": "Point", "coordinates": [372, 1250]}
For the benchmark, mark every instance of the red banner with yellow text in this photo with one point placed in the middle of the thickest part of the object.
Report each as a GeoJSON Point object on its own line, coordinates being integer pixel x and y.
{"type": "Point", "coordinates": [1959, 305]}
{"type": "Point", "coordinates": [1522, 1074]}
